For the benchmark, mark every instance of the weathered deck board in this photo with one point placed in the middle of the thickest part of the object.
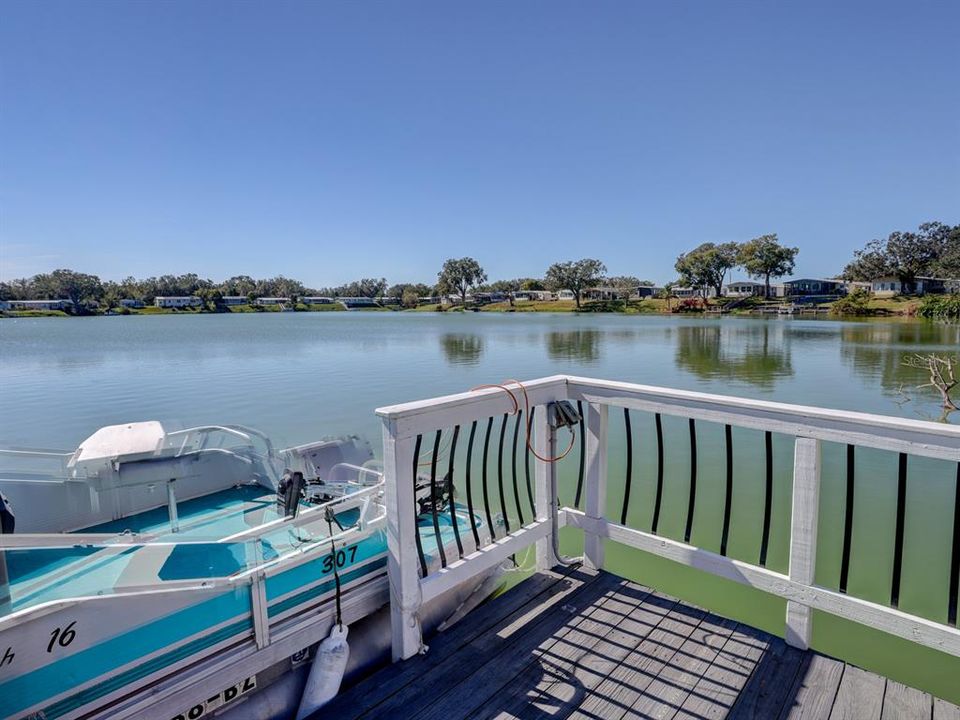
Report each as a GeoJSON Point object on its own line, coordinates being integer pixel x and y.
{"type": "Point", "coordinates": [860, 696]}
{"type": "Point", "coordinates": [573, 643]}
{"type": "Point", "coordinates": [737, 679]}
{"type": "Point", "coordinates": [814, 689]}
{"type": "Point", "coordinates": [902, 701]}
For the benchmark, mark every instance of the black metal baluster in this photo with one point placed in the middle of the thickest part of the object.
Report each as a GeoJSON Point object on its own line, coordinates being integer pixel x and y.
{"type": "Point", "coordinates": [473, 515]}
{"type": "Point", "coordinates": [416, 516]}
{"type": "Point", "coordinates": [526, 462]}
{"type": "Point", "coordinates": [583, 455]}
{"type": "Point", "coordinates": [434, 499]}
{"type": "Point", "coordinates": [486, 490]}
{"type": "Point", "coordinates": [516, 487]}
{"type": "Point", "coordinates": [629, 476]}
{"type": "Point", "coordinates": [503, 497]}
{"type": "Point", "coordinates": [898, 538]}
{"type": "Point", "coordinates": [847, 520]}
{"type": "Point", "coordinates": [453, 504]}
{"type": "Point", "coordinates": [659, 496]}
{"type": "Point", "coordinates": [693, 480]}
{"type": "Point", "coordinates": [728, 498]}
{"type": "Point", "coordinates": [767, 497]}
{"type": "Point", "coordinates": [955, 556]}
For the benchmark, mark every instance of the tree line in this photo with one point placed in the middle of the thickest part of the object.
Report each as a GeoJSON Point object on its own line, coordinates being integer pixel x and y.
{"type": "Point", "coordinates": [932, 250]}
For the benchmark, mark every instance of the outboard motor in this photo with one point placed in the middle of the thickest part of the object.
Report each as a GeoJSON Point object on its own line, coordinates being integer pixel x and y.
{"type": "Point", "coordinates": [290, 491]}
{"type": "Point", "coordinates": [7, 522]}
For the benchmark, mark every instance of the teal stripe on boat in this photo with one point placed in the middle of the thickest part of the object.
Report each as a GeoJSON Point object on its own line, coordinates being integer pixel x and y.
{"type": "Point", "coordinates": [32, 688]}
{"type": "Point", "coordinates": [115, 683]}
{"type": "Point", "coordinates": [325, 587]}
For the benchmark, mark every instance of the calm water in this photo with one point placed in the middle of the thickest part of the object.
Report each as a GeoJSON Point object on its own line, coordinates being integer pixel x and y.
{"type": "Point", "coordinates": [301, 376]}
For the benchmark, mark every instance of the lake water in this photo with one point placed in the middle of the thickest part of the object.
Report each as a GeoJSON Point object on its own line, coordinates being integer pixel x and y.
{"type": "Point", "coordinates": [299, 376]}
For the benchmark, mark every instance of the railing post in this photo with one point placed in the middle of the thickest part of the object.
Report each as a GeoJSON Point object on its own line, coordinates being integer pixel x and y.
{"type": "Point", "coordinates": [595, 479]}
{"type": "Point", "coordinates": [545, 443]}
{"type": "Point", "coordinates": [803, 535]}
{"type": "Point", "coordinates": [402, 560]}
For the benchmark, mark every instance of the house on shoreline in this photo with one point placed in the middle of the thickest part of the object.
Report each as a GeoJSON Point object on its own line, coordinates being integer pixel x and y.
{"type": "Point", "coordinates": [889, 285]}
{"type": "Point", "coordinates": [61, 304]}
{"type": "Point", "coordinates": [177, 301]}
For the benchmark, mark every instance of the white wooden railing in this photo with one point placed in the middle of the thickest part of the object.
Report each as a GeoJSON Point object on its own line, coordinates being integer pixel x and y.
{"type": "Point", "coordinates": [810, 426]}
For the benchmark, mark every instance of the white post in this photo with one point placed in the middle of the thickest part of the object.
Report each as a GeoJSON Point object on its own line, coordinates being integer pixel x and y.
{"type": "Point", "coordinates": [545, 443]}
{"type": "Point", "coordinates": [803, 535]}
{"type": "Point", "coordinates": [595, 479]}
{"type": "Point", "coordinates": [172, 505]}
{"type": "Point", "coordinates": [402, 560]}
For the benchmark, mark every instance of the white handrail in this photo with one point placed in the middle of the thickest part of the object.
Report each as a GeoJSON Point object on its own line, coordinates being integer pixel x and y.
{"type": "Point", "coordinates": [809, 425]}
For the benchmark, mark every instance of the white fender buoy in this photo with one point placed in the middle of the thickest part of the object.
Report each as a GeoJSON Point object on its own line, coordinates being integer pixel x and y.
{"type": "Point", "coordinates": [326, 673]}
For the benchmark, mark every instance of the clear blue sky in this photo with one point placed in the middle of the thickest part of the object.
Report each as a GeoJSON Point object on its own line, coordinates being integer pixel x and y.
{"type": "Point", "coordinates": [331, 140]}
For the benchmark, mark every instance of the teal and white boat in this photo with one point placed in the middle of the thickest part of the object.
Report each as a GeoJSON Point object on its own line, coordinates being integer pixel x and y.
{"type": "Point", "coordinates": [159, 574]}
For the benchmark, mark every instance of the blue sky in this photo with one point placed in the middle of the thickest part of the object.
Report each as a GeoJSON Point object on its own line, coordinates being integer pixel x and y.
{"type": "Point", "coordinates": [331, 140]}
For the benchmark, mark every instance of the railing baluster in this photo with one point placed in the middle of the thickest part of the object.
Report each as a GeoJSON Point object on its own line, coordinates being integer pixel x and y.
{"type": "Point", "coordinates": [955, 556]}
{"type": "Point", "coordinates": [526, 462]}
{"type": "Point", "coordinates": [629, 474]}
{"type": "Point", "coordinates": [473, 515]}
{"type": "Point", "coordinates": [434, 499]}
{"type": "Point", "coordinates": [453, 504]}
{"type": "Point", "coordinates": [728, 497]}
{"type": "Point", "coordinates": [803, 535]}
{"type": "Point", "coordinates": [503, 497]}
{"type": "Point", "coordinates": [516, 487]}
{"type": "Point", "coordinates": [486, 490]}
{"type": "Point", "coordinates": [596, 479]}
{"type": "Point", "coordinates": [416, 518]}
{"type": "Point", "coordinates": [767, 497]}
{"type": "Point", "coordinates": [691, 503]}
{"type": "Point", "coordinates": [847, 520]}
{"type": "Point", "coordinates": [583, 456]}
{"type": "Point", "coordinates": [659, 496]}
{"type": "Point", "coordinates": [898, 537]}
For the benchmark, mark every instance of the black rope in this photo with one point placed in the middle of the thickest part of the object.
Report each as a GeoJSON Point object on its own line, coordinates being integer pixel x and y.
{"type": "Point", "coordinates": [331, 518]}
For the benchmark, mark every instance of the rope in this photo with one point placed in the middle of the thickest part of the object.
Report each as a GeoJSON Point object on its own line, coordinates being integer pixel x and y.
{"type": "Point", "coordinates": [336, 573]}
{"type": "Point", "coordinates": [529, 423]}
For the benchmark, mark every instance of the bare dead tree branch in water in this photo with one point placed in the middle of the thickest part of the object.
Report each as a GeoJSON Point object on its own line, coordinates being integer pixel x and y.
{"type": "Point", "coordinates": [943, 377]}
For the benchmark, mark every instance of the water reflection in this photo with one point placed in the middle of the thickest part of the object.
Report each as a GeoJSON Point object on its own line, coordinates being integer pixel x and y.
{"type": "Point", "coordinates": [758, 356]}
{"type": "Point", "coordinates": [462, 348]}
{"type": "Point", "coordinates": [878, 352]}
{"type": "Point", "coordinates": [579, 345]}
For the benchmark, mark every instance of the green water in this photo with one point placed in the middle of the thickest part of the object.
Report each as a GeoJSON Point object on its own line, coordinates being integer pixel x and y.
{"type": "Point", "coordinates": [300, 376]}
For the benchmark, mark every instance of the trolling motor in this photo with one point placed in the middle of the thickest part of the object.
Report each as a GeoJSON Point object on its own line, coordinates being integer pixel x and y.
{"type": "Point", "coordinates": [289, 492]}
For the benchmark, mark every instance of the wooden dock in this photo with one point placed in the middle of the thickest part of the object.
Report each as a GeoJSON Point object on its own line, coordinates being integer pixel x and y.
{"type": "Point", "coordinates": [584, 644]}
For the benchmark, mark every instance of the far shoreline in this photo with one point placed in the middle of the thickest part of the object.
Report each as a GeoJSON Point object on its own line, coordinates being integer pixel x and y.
{"type": "Point", "coordinates": [895, 307]}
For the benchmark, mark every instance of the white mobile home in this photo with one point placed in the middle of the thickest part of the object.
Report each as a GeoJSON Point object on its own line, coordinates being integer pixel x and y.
{"type": "Point", "coordinates": [177, 301]}
{"type": "Point", "coordinates": [62, 304]}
